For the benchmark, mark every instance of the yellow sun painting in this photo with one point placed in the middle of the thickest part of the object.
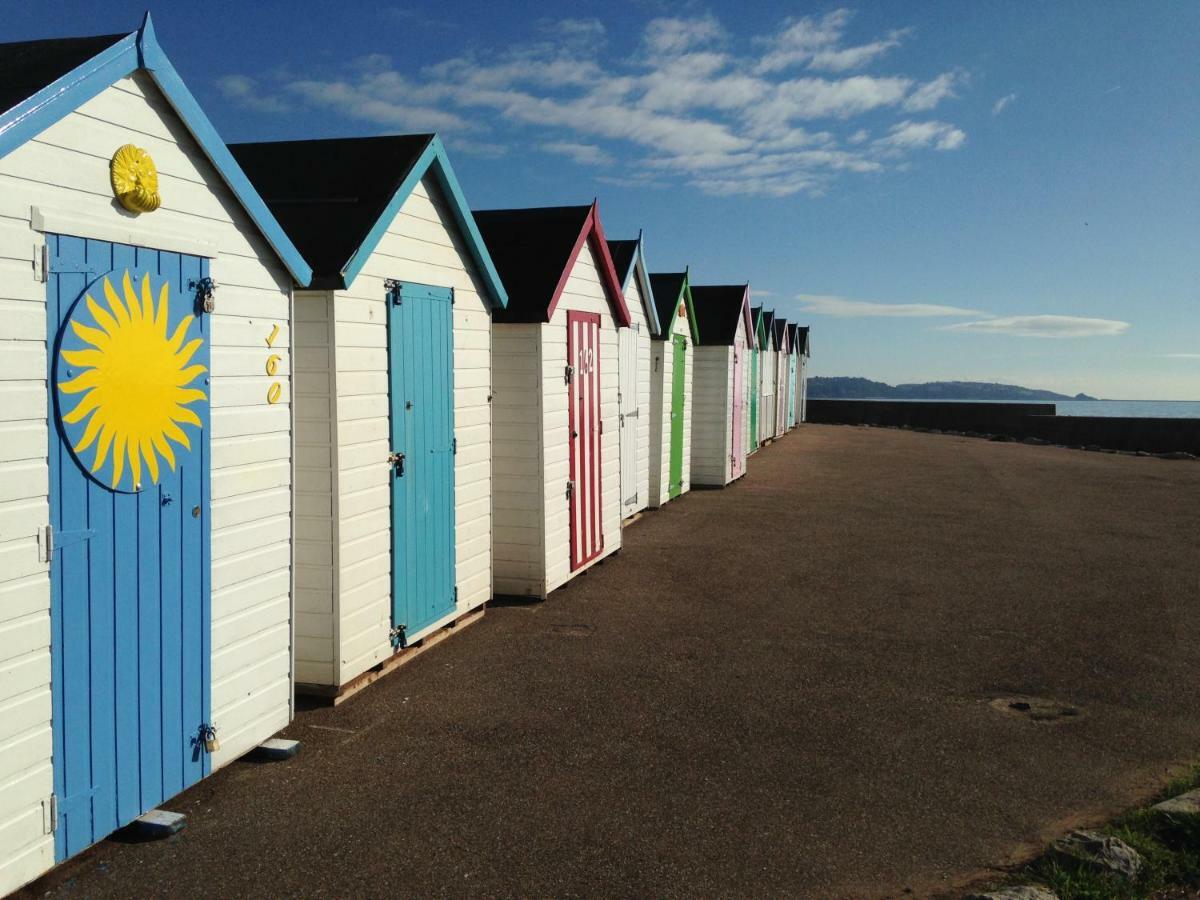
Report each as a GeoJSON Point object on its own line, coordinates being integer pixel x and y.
{"type": "Point", "coordinates": [134, 383]}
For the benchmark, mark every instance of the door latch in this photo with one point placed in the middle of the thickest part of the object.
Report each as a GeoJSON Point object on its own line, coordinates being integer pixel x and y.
{"type": "Point", "coordinates": [570, 489]}
{"type": "Point", "coordinates": [398, 636]}
{"type": "Point", "coordinates": [396, 461]}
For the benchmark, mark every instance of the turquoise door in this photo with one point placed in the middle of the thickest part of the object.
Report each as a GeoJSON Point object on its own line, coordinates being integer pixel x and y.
{"type": "Point", "coordinates": [129, 540]}
{"type": "Point", "coordinates": [421, 373]}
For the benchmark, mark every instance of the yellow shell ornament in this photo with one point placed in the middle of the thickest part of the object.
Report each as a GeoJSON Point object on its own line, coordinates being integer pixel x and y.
{"type": "Point", "coordinates": [135, 179]}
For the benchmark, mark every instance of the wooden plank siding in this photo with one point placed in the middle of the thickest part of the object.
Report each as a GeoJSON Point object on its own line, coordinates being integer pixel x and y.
{"type": "Point", "coordinates": [636, 302]}
{"type": "Point", "coordinates": [344, 590]}
{"type": "Point", "coordinates": [662, 364]}
{"type": "Point", "coordinates": [712, 413]}
{"type": "Point", "coordinates": [66, 168]}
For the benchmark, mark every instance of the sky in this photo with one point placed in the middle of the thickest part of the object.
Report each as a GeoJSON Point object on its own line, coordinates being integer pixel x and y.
{"type": "Point", "coordinates": [986, 191]}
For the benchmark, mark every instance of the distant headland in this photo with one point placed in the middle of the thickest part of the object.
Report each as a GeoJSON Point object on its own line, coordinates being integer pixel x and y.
{"type": "Point", "coordinates": [841, 388]}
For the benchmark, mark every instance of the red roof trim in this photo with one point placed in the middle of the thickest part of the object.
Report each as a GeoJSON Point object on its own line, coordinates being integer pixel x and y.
{"type": "Point", "coordinates": [593, 232]}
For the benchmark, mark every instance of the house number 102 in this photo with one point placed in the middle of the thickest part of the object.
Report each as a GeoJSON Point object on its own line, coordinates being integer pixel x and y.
{"type": "Point", "coordinates": [276, 389]}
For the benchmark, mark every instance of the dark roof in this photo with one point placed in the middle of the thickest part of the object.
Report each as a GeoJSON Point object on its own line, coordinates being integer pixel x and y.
{"type": "Point", "coordinates": [622, 253]}
{"type": "Point", "coordinates": [28, 66]}
{"type": "Point", "coordinates": [666, 288]}
{"type": "Point", "coordinates": [328, 194]}
{"type": "Point", "coordinates": [792, 336]}
{"type": "Point", "coordinates": [802, 338]}
{"type": "Point", "coordinates": [718, 309]}
{"type": "Point", "coordinates": [531, 249]}
{"type": "Point", "coordinates": [769, 324]}
{"type": "Point", "coordinates": [781, 327]}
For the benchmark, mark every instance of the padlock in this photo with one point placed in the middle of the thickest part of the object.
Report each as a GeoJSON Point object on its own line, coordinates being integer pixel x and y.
{"type": "Point", "coordinates": [211, 742]}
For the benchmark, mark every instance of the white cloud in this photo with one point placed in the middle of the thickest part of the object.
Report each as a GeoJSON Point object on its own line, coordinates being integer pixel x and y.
{"type": "Point", "coordinates": [909, 135]}
{"type": "Point", "coordinates": [246, 93]}
{"type": "Point", "coordinates": [758, 293]}
{"type": "Point", "coordinates": [690, 108]}
{"type": "Point", "coordinates": [999, 105]}
{"type": "Point", "coordinates": [931, 93]}
{"type": "Point", "coordinates": [583, 154]}
{"type": "Point", "coordinates": [1181, 356]}
{"type": "Point", "coordinates": [843, 307]}
{"type": "Point", "coordinates": [1044, 326]}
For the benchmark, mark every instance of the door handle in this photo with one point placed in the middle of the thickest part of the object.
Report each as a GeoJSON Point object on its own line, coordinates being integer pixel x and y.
{"type": "Point", "coordinates": [396, 461]}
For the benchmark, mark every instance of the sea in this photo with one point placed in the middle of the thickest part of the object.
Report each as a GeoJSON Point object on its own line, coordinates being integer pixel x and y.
{"type": "Point", "coordinates": [1134, 409]}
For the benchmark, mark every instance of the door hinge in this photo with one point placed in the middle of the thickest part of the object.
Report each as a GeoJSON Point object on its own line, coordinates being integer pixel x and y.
{"type": "Point", "coordinates": [392, 286]}
{"type": "Point", "coordinates": [570, 489]}
{"type": "Point", "coordinates": [456, 596]}
{"type": "Point", "coordinates": [568, 374]}
{"type": "Point", "coordinates": [46, 544]}
{"type": "Point", "coordinates": [44, 265]}
{"type": "Point", "coordinates": [50, 815]}
{"type": "Point", "coordinates": [454, 446]}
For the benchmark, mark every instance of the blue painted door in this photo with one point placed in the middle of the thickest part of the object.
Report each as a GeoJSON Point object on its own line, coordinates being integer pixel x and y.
{"type": "Point", "coordinates": [421, 387]}
{"type": "Point", "coordinates": [129, 550]}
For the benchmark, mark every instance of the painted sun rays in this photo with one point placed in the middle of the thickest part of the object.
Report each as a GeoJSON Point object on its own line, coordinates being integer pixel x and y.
{"type": "Point", "coordinates": [135, 375]}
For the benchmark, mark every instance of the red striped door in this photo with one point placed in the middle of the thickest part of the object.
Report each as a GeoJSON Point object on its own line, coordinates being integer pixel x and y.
{"type": "Point", "coordinates": [583, 406]}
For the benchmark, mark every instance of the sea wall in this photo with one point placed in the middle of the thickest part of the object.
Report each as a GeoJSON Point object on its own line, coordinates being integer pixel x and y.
{"type": "Point", "coordinates": [986, 418]}
{"type": "Point", "coordinates": [1020, 421]}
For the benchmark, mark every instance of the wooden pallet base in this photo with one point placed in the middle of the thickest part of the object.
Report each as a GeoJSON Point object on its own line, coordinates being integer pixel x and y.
{"type": "Point", "coordinates": [338, 695]}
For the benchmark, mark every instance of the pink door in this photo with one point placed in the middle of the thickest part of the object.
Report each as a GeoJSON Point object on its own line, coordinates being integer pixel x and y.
{"type": "Point", "coordinates": [737, 461]}
{"type": "Point", "coordinates": [583, 407]}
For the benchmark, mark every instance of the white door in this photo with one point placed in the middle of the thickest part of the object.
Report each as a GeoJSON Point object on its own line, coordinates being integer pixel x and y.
{"type": "Point", "coordinates": [628, 377]}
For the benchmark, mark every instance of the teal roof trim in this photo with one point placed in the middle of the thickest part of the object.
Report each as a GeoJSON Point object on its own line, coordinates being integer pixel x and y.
{"type": "Point", "coordinates": [435, 160]}
{"type": "Point", "coordinates": [140, 50]}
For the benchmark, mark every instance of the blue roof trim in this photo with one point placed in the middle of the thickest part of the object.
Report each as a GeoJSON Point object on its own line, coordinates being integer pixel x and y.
{"type": "Point", "coordinates": [648, 304]}
{"type": "Point", "coordinates": [435, 160]}
{"type": "Point", "coordinates": [155, 61]}
{"type": "Point", "coordinates": [140, 50]}
{"type": "Point", "coordinates": [62, 97]}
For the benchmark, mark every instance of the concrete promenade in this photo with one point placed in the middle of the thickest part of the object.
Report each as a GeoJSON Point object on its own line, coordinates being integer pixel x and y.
{"type": "Point", "coordinates": [782, 688]}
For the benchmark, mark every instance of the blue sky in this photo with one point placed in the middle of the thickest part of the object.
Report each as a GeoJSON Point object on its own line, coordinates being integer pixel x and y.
{"type": "Point", "coordinates": [944, 190]}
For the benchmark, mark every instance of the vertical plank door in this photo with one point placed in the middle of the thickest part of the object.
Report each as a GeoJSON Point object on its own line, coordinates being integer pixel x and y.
{"type": "Point", "coordinates": [737, 459]}
{"type": "Point", "coordinates": [421, 412]}
{"type": "Point", "coordinates": [129, 548]}
{"type": "Point", "coordinates": [678, 373]}
{"type": "Point", "coordinates": [627, 364]}
{"type": "Point", "coordinates": [583, 410]}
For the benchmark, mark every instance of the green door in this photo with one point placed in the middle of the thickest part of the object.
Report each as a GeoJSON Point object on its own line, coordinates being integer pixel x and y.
{"type": "Point", "coordinates": [678, 370]}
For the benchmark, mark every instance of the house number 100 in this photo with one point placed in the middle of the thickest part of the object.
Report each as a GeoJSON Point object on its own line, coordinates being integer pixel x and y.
{"type": "Point", "coordinates": [276, 389]}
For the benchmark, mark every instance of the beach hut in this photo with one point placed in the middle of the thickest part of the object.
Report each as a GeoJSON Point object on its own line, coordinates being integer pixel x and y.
{"type": "Point", "coordinates": [782, 376]}
{"type": "Point", "coordinates": [769, 366]}
{"type": "Point", "coordinates": [754, 385]}
{"type": "Point", "coordinates": [145, 447]}
{"type": "Point", "coordinates": [556, 444]}
{"type": "Point", "coordinates": [634, 361]}
{"type": "Point", "coordinates": [720, 415]}
{"type": "Point", "coordinates": [393, 364]}
{"type": "Point", "coordinates": [671, 387]}
{"type": "Point", "coordinates": [803, 353]}
{"type": "Point", "coordinates": [793, 370]}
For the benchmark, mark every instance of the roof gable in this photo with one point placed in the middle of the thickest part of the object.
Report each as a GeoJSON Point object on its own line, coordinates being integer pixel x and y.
{"type": "Point", "coordinates": [759, 330]}
{"type": "Point", "coordinates": [802, 340]}
{"type": "Point", "coordinates": [781, 336]}
{"type": "Point", "coordinates": [64, 74]}
{"type": "Point", "coordinates": [339, 218]}
{"type": "Point", "coordinates": [768, 321]}
{"type": "Point", "coordinates": [629, 262]}
{"type": "Point", "coordinates": [670, 289]}
{"type": "Point", "coordinates": [534, 250]}
{"type": "Point", "coordinates": [721, 309]}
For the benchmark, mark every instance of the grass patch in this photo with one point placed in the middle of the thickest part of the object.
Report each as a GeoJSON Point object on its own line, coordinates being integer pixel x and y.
{"type": "Point", "coordinates": [1170, 850]}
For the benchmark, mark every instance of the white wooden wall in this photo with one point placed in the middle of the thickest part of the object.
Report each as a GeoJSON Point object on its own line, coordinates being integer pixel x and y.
{"type": "Point", "coordinates": [636, 303]}
{"type": "Point", "coordinates": [344, 589]}
{"type": "Point", "coordinates": [662, 363]}
{"type": "Point", "coordinates": [768, 361]}
{"type": "Point", "coordinates": [518, 544]}
{"type": "Point", "coordinates": [712, 411]}
{"type": "Point", "coordinates": [782, 380]}
{"type": "Point", "coordinates": [66, 168]}
{"type": "Point", "coordinates": [584, 292]}
{"type": "Point", "coordinates": [743, 340]}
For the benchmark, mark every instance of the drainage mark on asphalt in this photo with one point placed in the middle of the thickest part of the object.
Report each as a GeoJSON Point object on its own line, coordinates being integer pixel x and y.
{"type": "Point", "coordinates": [576, 631]}
{"type": "Point", "coordinates": [1037, 709]}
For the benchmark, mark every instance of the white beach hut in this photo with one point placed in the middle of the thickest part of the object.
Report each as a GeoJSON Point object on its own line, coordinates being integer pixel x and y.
{"type": "Point", "coordinates": [672, 376]}
{"type": "Point", "coordinates": [393, 366]}
{"type": "Point", "coordinates": [556, 434]}
{"type": "Point", "coordinates": [768, 363]}
{"type": "Point", "coordinates": [145, 447]}
{"type": "Point", "coordinates": [721, 415]}
{"type": "Point", "coordinates": [803, 354]}
{"type": "Point", "coordinates": [783, 379]}
{"type": "Point", "coordinates": [634, 362]}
